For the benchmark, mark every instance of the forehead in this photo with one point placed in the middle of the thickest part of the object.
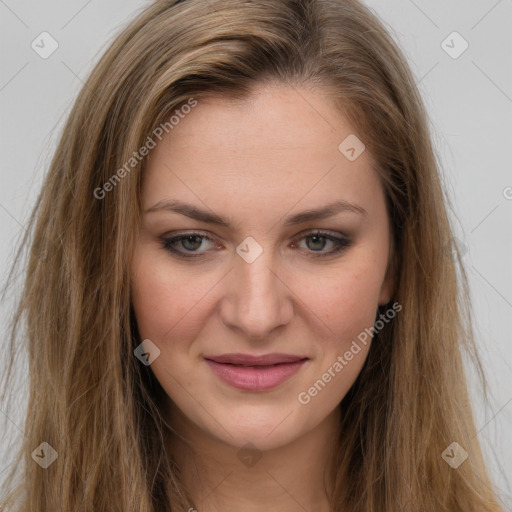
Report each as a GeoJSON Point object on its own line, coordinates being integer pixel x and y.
{"type": "Point", "coordinates": [280, 144]}
{"type": "Point", "coordinates": [277, 118]}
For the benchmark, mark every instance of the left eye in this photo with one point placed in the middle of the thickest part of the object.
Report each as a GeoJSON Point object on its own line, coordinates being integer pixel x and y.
{"type": "Point", "coordinates": [319, 240]}
{"type": "Point", "coordinates": [190, 243]}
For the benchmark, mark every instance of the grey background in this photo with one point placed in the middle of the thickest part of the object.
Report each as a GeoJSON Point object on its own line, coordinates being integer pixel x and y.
{"type": "Point", "coordinates": [469, 100]}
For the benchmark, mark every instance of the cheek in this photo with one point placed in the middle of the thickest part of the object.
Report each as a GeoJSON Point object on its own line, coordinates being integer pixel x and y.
{"type": "Point", "coordinates": [353, 297]}
{"type": "Point", "coordinates": [345, 301]}
{"type": "Point", "coordinates": [165, 301]}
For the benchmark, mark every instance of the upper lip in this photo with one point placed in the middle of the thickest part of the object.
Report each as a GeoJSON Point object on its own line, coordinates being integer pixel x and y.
{"type": "Point", "coordinates": [250, 360]}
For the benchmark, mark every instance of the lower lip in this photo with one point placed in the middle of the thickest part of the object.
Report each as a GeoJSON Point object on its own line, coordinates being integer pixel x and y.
{"type": "Point", "coordinates": [253, 378]}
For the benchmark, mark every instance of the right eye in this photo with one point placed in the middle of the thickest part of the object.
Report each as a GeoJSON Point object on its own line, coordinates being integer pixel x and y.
{"type": "Point", "coordinates": [186, 244]}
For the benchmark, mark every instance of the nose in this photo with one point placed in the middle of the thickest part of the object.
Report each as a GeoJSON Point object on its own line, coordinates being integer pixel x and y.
{"type": "Point", "coordinates": [258, 299]}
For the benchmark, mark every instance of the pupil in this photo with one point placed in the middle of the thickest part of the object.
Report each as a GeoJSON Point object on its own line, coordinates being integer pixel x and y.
{"type": "Point", "coordinates": [317, 238]}
{"type": "Point", "coordinates": [191, 238]}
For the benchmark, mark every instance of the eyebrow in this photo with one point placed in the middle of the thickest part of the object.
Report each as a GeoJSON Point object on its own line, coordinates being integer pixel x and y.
{"type": "Point", "coordinates": [189, 210]}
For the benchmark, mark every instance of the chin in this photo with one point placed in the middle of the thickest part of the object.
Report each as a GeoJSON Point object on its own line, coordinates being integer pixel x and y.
{"type": "Point", "coordinates": [263, 431]}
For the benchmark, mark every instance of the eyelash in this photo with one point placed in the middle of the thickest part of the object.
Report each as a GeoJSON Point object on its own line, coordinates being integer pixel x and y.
{"type": "Point", "coordinates": [342, 243]}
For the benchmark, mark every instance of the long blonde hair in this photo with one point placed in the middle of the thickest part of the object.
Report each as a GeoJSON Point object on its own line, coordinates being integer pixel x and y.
{"type": "Point", "coordinates": [92, 400]}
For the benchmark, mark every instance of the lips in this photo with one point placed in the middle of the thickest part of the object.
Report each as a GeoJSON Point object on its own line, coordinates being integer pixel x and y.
{"type": "Point", "coordinates": [249, 360]}
{"type": "Point", "coordinates": [255, 373]}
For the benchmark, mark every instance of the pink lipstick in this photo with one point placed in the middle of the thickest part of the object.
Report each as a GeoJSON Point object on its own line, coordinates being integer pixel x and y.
{"type": "Point", "coordinates": [255, 373]}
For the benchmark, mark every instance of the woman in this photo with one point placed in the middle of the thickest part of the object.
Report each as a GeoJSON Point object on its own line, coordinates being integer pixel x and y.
{"type": "Point", "coordinates": [241, 291]}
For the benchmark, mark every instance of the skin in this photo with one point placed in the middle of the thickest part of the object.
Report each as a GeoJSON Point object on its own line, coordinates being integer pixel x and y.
{"type": "Point", "coordinates": [256, 162]}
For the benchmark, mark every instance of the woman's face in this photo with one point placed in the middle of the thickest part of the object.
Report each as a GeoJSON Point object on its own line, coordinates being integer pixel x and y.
{"type": "Point", "coordinates": [254, 315]}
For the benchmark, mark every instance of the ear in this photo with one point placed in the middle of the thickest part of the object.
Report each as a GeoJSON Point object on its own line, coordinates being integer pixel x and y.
{"type": "Point", "coordinates": [387, 289]}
